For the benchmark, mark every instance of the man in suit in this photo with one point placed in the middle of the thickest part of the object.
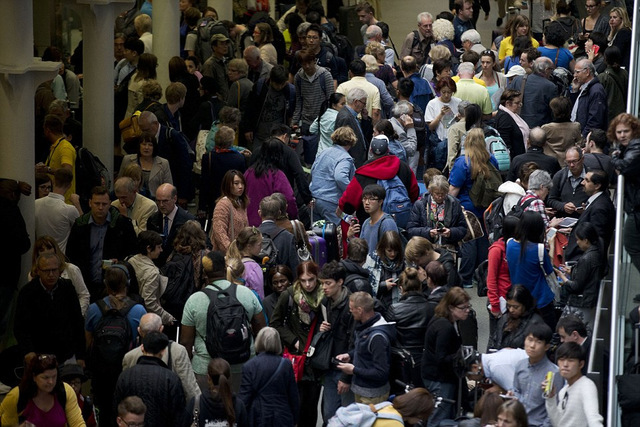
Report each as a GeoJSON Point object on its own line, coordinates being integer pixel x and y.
{"type": "Point", "coordinates": [348, 116]}
{"type": "Point", "coordinates": [598, 210]}
{"type": "Point", "coordinates": [571, 329]}
{"type": "Point", "coordinates": [168, 220]}
{"type": "Point", "coordinates": [133, 205]}
{"type": "Point", "coordinates": [282, 239]}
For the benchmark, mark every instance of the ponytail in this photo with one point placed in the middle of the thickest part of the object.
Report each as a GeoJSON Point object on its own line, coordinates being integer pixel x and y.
{"type": "Point", "coordinates": [220, 386]}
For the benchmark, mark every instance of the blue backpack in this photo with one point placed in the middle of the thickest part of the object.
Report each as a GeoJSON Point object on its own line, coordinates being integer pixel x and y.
{"type": "Point", "coordinates": [496, 146]}
{"type": "Point", "coordinates": [361, 415]}
{"type": "Point", "coordinates": [396, 202]}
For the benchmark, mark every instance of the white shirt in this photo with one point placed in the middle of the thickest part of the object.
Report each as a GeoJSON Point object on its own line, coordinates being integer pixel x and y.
{"type": "Point", "coordinates": [54, 218]}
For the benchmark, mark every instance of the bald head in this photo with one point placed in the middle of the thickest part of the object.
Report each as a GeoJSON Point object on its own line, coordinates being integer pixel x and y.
{"type": "Point", "coordinates": [150, 322]}
{"type": "Point", "coordinates": [543, 66]}
{"type": "Point", "coordinates": [252, 55]}
{"type": "Point", "coordinates": [537, 137]}
{"type": "Point", "coordinates": [166, 198]}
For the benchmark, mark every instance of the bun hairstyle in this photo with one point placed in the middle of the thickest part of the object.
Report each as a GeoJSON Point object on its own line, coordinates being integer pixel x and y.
{"type": "Point", "coordinates": [409, 280]}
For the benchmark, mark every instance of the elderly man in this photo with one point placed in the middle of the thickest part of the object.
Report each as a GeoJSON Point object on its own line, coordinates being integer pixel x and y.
{"type": "Point", "coordinates": [258, 69]}
{"type": "Point", "coordinates": [402, 122]}
{"type": "Point", "coordinates": [133, 205]}
{"type": "Point", "coordinates": [168, 219]}
{"type": "Point", "coordinates": [357, 72]}
{"type": "Point", "coordinates": [348, 116]}
{"type": "Point", "coordinates": [215, 66]}
{"type": "Point", "coordinates": [537, 93]}
{"type": "Point", "coordinates": [535, 153]}
{"type": "Point", "coordinates": [590, 107]}
{"type": "Point", "coordinates": [173, 146]}
{"type": "Point", "coordinates": [567, 195]}
{"type": "Point", "coordinates": [418, 43]}
{"type": "Point", "coordinates": [102, 234]}
{"type": "Point", "coordinates": [142, 24]}
{"type": "Point", "coordinates": [176, 356]}
{"type": "Point", "coordinates": [471, 40]}
{"type": "Point", "coordinates": [469, 90]}
{"type": "Point", "coordinates": [374, 34]}
{"type": "Point", "coordinates": [48, 317]}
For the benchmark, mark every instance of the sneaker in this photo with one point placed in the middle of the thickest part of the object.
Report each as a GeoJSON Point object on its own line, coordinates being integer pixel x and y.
{"type": "Point", "coordinates": [468, 285]}
{"type": "Point", "coordinates": [499, 22]}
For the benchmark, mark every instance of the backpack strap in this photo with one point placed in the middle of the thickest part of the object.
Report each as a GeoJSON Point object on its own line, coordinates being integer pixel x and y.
{"type": "Point", "coordinates": [385, 415]}
{"type": "Point", "coordinates": [169, 354]}
{"type": "Point", "coordinates": [524, 80]}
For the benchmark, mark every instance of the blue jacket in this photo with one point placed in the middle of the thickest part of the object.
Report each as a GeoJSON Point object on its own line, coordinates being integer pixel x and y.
{"type": "Point", "coordinates": [371, 356]}
{"type": "Point", "coordinates": [331, 173]}
{"type": "Point", "coordinates": [593, 110]}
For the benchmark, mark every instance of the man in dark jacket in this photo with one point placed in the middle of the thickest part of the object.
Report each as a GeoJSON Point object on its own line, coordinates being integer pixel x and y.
{"type": "Point", "coordinates": [48, 317]}
{"type": "Point", "coordinates": [348, 116]}
{"type": "Point", "coordinates": [339, 324]}
{"type": "Point", "coordinates": [370, 359]}
{"type": "Point", "coordinates": [590, 107]}
{"type": "Point", "coordinates": [102, 234]}
{"type": "Point", "coordinates": [153, 381]}
{"type": "Point", "coordinates": [535, 153]}
{"type": "Point", "coordinates": [282, 239]}
{"type": "Point", "coordinates": [567, 194]}
{"type": "Point", "coordinates": [538, 93]}
{"type": "Point", "coordinates": [599, 212]}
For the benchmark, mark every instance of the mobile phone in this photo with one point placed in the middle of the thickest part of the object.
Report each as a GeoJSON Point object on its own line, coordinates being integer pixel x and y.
{"type": "Point", "coordinates": [579, 209]}
{"type": "Point", "coordinates": [440, 229]}
{"type": "Point", "coordinates": [507, 396]}
{"type": "Point", "coordinates": [395, 280]}
{"type": "Point", "coordinates": [335, 360]}
{"type": "Point", "coordinates": [595, 49]}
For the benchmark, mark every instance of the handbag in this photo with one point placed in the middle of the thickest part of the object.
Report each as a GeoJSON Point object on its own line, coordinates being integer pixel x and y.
{"type": "Point", "coordinates": [310, 147]}
{"type": "Point", "coordinates": [301, 247]}
{"type": "Point", "coordinates": [474, 228]}
{"type": "Point", "coordinates": [196, 412]}
{"type": "Point", "coordinates": [298, 361]}
{"type": "Point", "coordinates": [130, 129]}
{"type": "Point", "coordinates": [551, 278]}
{"type": "Point", "coordinates": [321, 348]}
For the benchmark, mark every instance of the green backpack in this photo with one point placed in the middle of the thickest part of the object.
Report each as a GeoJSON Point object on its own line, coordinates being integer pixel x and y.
{"type": "Point", "coordinates": [485, 188]}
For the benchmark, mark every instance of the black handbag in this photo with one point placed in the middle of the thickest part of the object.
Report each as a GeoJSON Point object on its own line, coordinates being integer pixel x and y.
{"type": "Point", "coordinates": [321, 348]}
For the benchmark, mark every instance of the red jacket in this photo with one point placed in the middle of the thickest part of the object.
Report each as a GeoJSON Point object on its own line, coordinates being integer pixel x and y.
{"type": "Point", "coordinates": [498, 280]}
{"type": "Point", "coordinates": [385, 167]}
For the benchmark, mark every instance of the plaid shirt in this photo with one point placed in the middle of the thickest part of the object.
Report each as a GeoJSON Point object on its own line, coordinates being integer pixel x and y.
{"type": "Point", "coordinates": [537, 205]}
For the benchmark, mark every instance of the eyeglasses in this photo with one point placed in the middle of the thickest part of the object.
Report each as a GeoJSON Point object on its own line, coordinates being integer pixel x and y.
{"type": "Point", "coordinates": [370, 199]}
{"type": "Point", "coordinates": [131, 423]}
{"type": "Point", "coordinates": [464, 307]}
{"type": "Point", "coordinates": [576, 71]}
{"type": "Point", "coordinates": [572, 162]}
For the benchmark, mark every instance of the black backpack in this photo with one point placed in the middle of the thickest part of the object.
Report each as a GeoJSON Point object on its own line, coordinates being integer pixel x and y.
{"type": "Point", "coordinates": [206, 28]}
{"type": "Point", "coordinates": [480, 278]}
{"type": "Point", "coordinates": [90, 172]}
{"type": "Point", "coordinates": [228, 327]}
{"type": "Point", "coordinates": [268, 256]}
{"type": "Point", "coordinates": [112, 336]}
{"type": "Point", "coordinates": [179, 271]}
{"type": "Point", "coordinates": [357, 283]}
{"type": "Point", "coordinates": [494, 216]}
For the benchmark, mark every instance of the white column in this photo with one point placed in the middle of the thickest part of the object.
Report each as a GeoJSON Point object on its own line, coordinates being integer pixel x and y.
{"type": "Point", "coordinates": [225, 8]}
{"type": "Point", "coordinates": [20, 75]}
{"type": "Point", "coordinates": [166, 36]}
{"type": "Point", "coordinates": [98, 18]}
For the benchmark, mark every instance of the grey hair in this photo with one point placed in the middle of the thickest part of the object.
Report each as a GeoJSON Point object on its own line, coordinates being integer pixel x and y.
{"type": "Point", "coordinates": [148, 117]}
{"type": "Point", "coordinates": [466, 68]}
{"type": "Point", "coordinates": [472, 35]}
{"type": "Point", "coordinates": [443, 30]}
{"type": "Point", "coordinates": [402, 107]}
{"type": "Point", "coordinates": [462, 105]}
{"type": "Point", "coordinates": [424, 15]}
{"type": "Point", "coordinates": [125, 183]}
{"type": "Point", "coordinates": [541, 65]}
{"type": "Point", "coordinates": [252, 52]}
{"type": "Point", "coordinates": [373, 31]}
{"type": "Point", "coordinates": [150, 322]}
{"type": "Point", "coordinates": [439, 182]}
{"type": "Point", "coordinates": [588, 64]}
{"type": "Point", "coordinates": [537, 137]}
{"type": "Point", "coordinates": [355, 94]}
{"type": "Point", "coordinates": [538, 179]}
{"type": "Point", "coordinates": [302, 28]}
{"type": "Point", "coordinates": [371, 63]}
{"type": "Point", "coordinates": [268, 341]}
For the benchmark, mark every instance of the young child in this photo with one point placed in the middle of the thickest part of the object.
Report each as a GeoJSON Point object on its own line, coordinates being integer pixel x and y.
{"type": "Point", "coordinates": [577, 402]}
{"type": "Point", "coordinates": [531, 372]}
{"type": "Point", "coordinates": [73, 375]}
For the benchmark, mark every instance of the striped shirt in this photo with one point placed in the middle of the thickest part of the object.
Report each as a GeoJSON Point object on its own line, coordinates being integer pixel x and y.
{"type": "Point", "coordinates": [311, 92]}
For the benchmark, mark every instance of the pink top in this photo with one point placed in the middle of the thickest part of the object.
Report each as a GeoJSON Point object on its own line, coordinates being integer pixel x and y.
{"type": "Point", "coordinates": [54, 417]}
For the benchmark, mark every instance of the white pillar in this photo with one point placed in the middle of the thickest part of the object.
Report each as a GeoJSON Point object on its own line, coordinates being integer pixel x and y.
{"type": "Point", "coordinates": [225, 8]}
{"type": "Point", "coordinates": [98, 17]}
{"type": "Point", "coordinates": [20, 75]}
{"type": "Point", "coordinates": [166, 36]}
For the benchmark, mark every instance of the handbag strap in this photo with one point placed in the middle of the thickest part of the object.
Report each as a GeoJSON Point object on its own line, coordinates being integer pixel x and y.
{"type": "Point", "coordinates": [541, 258]}
{"type": "Point", "coordinates": [310, 335]}
{"type": "Point", "coordinates": [233, 235]}
{"type": "Point", "coordinates": [275, 374]}
{"type": "Point", "coordinates": [196, 412]}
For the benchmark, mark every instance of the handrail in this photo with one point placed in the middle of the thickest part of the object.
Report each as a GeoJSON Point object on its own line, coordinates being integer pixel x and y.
{"type": "Point", "coordinates": [634, 69]}
{"type": "Point", "coordinates": [616, 337]}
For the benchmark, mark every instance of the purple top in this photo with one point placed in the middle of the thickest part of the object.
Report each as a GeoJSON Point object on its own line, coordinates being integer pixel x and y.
{"type": "Point", "coordinates": [54, 417]}
{"type": "Point", "coordinates": [253, 276]}
{"type": "Point", "coordinates": [266, 185]}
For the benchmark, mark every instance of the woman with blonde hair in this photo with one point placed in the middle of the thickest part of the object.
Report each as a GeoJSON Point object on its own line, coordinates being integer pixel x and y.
{"type": "Point", "coordinates": [475, 164]}
{"type": "Point", "coordinates": [246, 248]}
{"type": "Point", "coordinates": [385, 71]}
{"type": "Point", "coordinates": [620, 33]}
{"type": "Point", "coordinates": [263, 39]}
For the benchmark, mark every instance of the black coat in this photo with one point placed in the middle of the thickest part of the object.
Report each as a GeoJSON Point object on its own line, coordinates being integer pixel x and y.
{"type": "Point", "coordinates": [515, 339]}
{"type": "Point", "coordinates": [212, 411]}
{"type": "Point", "coordinates": [160, 389]}
{"type": "Point", "coordinates": [584, 285]}
{"type": "Point", "coordinates": [360, 151]}
{"type": "Point", "coordinates": [510, 133]}
{"type": "Point", "coordinates": [600, 214]}
{"type": "Point", "coordinates": [441, 347]}
{"type": "Point", "coordinates": [533, 154]}
{"type": "Point", "coordinates": [562, 193]}
{"type": "Point", "coordinates": [156, 223]}
{"type": "Point", "coordinates": [272, 400]}
{"type": "Point", "coordinates": [357, 277]}
{"type": "Point", "coordinates": [420, 224]}
{"type": "Point", "coordinates": [627, 162]}
{"type": "Point", "coordinates": [410, 315]}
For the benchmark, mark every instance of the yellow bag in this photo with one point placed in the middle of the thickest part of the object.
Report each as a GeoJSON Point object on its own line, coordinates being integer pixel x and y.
{"type": "Point", "coordinates": [130, 128]}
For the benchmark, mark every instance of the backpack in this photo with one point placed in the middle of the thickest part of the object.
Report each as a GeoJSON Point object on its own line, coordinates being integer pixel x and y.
{"type": "Point", "coordinates": [228, 328]}
{"type": "Point", "coordinates": [494, 216]}
{"type": "Point", "coordinates": [480, 278]}
{"type": "Point", "coordinates": [396, 202]}
{"type": "Point", "coordinates": [112, 336]}
{"type": "Point", "coordinates": [496, 146]}
{"type": "Point", "coordinates": [356, 283]}
{"type": "Point", "coordinates": [485, 188]}
{"type": "Point", "coordinates": [181, 284]}
{"type": "Point", "coordinates": [361, 415]}
{"type": "Point", "coordinates": [206, 28]}
{"type": "Point", "coordinates": [90, 172]}
{"type": "Point", "coordinates": [268, 256]}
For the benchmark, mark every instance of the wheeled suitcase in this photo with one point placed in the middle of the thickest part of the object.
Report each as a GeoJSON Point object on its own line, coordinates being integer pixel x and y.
{"type": "Point", "coordinates": [329, 232]}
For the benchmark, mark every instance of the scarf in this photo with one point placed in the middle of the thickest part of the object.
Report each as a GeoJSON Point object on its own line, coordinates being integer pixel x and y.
{"type": "Point", "coordinates": [307, 303]}
{"type": "Point", "coordinates": [524, 127]}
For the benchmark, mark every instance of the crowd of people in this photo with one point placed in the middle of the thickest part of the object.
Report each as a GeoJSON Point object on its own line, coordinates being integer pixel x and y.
{"type": "Point", "coordinates": [191, 292]}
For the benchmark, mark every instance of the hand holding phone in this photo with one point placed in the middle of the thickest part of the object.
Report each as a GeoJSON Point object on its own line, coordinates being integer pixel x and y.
{"type": "Point", "coordinates": [595, 49]}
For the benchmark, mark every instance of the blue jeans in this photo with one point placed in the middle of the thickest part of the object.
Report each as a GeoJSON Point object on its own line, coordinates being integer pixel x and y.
{"type": "Point", "coordinates": [331, 400]}
{"type": "Point", "coordinates": [326, 210]}
{"type": "Point", "coordinates": [445, 411]}
{"type": "Point", "coordinates": [471, 255]}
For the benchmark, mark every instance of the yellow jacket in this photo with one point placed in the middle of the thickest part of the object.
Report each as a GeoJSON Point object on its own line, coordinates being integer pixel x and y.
{"type": "Point", "coordinates": [9, 409]}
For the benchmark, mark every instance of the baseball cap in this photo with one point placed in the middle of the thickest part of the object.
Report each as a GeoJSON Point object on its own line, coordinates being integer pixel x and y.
{"type": "Point", "coordinates": [380, 145]}
{"type": "Point", "coordinates": [516, 70]}
{"type": "Point", "coordinates": [219, 38]}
